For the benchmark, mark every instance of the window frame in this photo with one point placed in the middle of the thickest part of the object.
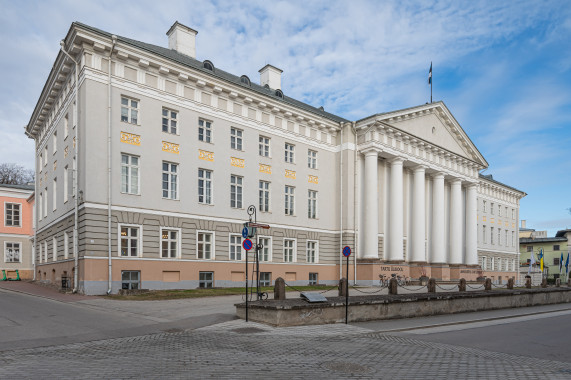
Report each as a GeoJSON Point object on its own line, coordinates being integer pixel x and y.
{"type": "Point", "coordinates": [211, 244]}
{"type": "Point", "coordinates": [206, 281]}
{"type": "Point", "coordinates": [264, 146]}
{"type": "Point", "coordinates": [169, 120]}
{"type": "Point", "coordinates": [293, 248]}
{"type": "Point", "coordinates": [265, 282]}
{"type": "Point", "coordinates": [236, 191]}
{"type": "Point", "coordinates": [205, 130]}
{"type": "Point", "coordinates": [289, 200]}
{"type": "Point", "coordinates": [314, 281]}
{"type": "Point", "coordinates": [269, 248]}
{"type": "Point", "coordinates": [315, 253]}
{"type": "Point", "coordinates": [264, 206]}
{"type": "Point", "coordinates": [129, 107]}
{"type": "Point", "coordinates": [312, 159]}
{"type": "Point", "coordinates": [557, 247]}
{"type": "Point", "coordinates": [139, 239]}
{"type": "Point", "coordinates": [6, 204]}
{"type": "Point", "coordinates": [289, 148]}
{"type": "Point", "coordinates": [484, 262]}
{"type": "Point", "coordinates": [484, 236]}
{"type": "Point", "coordinates": [130, 166]}
{"type": "Point", "coordinates": [207, 181]}
{"type": "Point", "coordinates": [169, 181]}
{"type": "Point", "coordinates": [178, 242]}
{"type": "Point", "coordinates": [312, 204]}
{"type": "Point", "coordinates": [6, 251]}
{"type": "Point", "coordinates": [237, 139]}
{"type": "Point", "coordinates": [130, 281]}
{"type": "Point", "coordinates": [241, 249]}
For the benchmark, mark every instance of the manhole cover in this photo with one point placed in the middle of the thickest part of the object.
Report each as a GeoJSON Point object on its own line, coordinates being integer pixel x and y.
{"type": "Point", "coordinates": [345, 367]}
{"type": "Point", "coordinates": [248, 330]}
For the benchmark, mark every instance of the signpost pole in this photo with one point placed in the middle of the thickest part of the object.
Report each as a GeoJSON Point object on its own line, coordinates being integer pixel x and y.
{"type": "Point", "coordinates": [347, 293]}
{"type": "Point", "coordinates": [246, 286]}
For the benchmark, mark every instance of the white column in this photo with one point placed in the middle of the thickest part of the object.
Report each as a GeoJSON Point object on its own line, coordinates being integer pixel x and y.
{"type": "Point", "coordinates": [456, 223]}
{"type": "Point", "coordinates": [438, 253]}
{"type": "Point", "coordinates": [396, 211]}
{"type": "Point", "coordinates": [417, 247]}
{"type": "Point", "coordinates": [471, 226]}
{"type": "Point", "coordinates": [371, 206]}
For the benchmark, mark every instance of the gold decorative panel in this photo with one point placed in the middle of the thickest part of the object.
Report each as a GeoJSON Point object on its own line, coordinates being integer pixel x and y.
{"type": "Point", "coordinates": [127, 138]}
{"type": "Point", "coordinates": [313, 179]}
{"type": "Point", "coordinates": [265, 169]}
{"type": "Point", "coordinates": [290, 174]}
{"type": "Point", "coordinates": [204, 155]}
{"type": "Point", "coordinates": [171, 147]}
{"type": "Point", "coordinates": [237, 162]}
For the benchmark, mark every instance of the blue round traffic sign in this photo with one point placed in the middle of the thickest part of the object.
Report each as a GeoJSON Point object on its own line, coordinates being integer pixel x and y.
{"type": "Point", "coordinates": [245, 232]}
{"type": "Point", "coordinates": [347, 251]}
{"type": "Point", "coordinates": [247, 244]}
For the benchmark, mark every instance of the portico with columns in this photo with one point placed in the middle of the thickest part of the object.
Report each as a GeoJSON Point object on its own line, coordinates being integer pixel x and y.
{"type": "Point", "coordinates": [418, 178]}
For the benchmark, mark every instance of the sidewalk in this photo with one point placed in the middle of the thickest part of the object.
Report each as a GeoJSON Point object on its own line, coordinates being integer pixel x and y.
{"type": "Point", "coordinates": [35, 289]}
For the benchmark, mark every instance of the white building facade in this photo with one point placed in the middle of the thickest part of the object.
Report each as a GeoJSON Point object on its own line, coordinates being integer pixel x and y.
{"type": "Point", "coordinates": [145, 175]}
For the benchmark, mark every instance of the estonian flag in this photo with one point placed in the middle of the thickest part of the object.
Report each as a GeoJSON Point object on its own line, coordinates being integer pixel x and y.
{"type": "Point", "coordinates": [430, 74]}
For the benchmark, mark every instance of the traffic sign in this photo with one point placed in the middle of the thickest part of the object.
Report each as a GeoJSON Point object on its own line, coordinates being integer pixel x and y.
{"type": "Point", "coordinates": [258, 225]}
{"type": "Point", "coordinates": [247, 244]}
{"type": "Point", "coordinates": [245, 232]}
{"type": "Point", "coordinates": [347, 251]}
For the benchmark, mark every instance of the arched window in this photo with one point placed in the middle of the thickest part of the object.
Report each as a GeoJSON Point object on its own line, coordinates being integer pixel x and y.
{"type": "Point", "coordinates": [208, 65]}
{"type": "Point", "coordinates": [279, 94]}
{"type": "Point", "coordinates": [244, 79]}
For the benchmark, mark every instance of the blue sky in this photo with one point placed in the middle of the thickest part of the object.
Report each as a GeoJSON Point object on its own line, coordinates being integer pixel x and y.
{"type": "Point", "coordinates": [502, 67]}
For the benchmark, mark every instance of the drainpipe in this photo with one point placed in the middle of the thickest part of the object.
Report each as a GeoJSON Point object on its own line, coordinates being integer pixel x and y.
{"type": "Point", "coordinates": [110, 265]}
{"type": "Point", "coordinates": [76, 171]}
{"type": "Point", "coordinates": [341, 207]}
{"type": "Point", "coordinates": [355, 221]}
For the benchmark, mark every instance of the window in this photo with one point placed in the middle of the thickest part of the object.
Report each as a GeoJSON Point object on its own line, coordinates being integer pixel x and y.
{"type": "Point", "coordinates": [13, 214]}
{"type": "Point", "coordinates": [205, 279]}
{"type": "Point", "coordinates": [130, 174]}
{"type": "Point", "coordinates": [513, 238]}
{"type": "Point", "coordinates": [244, 79]}
{"type": "Point", "coordinates": [506, 240]}
{"type": "Point", "coordinates": [169, 121]}
{"type": "Point", "coordinates": [204, 186]}
{"type": "Point", "coordinates": [46, 202]}
{"type": "Point", "coordinates": [54, 142]}
{"type": "Point", "coordinates": [530, 248]}
{"type": "Point", "coordinates": [556, 260]}
{"type": "Point", "coordinates": [289, 251]}
{"type": "Point", "coordinates": [289, 151]}
{"type": "Point", "coordinates": [312, 159]}
{"type": "Point", "coordinates": [46, 154]}
{"type": "Point", "coordinates": [235, 247]}
{"type": "Point", "coordinates": [129, 110]}
{"type": "Point", "coordinates": [45, 251]}
{"type": "Point", "coordinates": [66, 126]}
{"type": "Point", "coordinates": [264, 193]}
{"type": "Point", "coordinates": [66, 245]}
{"type": "Point", "coordinates": [208, 65]}
{"type": "Point", "coordinates": [266, 251]}
{"type": "Point", "coordinates": [40, 206]}
{"type": "Point", "coordinates": [170, 180]}
{"type": "Point", "coordinates": [204, 245]}
{"type": "Point", "coordinates": [513, 213]}
{"type": "Point", "coordinates": [170, 243]}
{"type": "Point", "coordinates": [499, 236]}
{"type": "Point", "coordinates": [41, 161]}
{"type": "Point", "coordinates": [130, 279]}
{"type": "Point", "coordinates": [265, 279]}
{"type": "Point", "coordinates": [289, 200]}
{"type": "Point", "coordinates": [65, 183]}
{"type": "Point", "coordinates": [12, 252]}
{"type": "Point", "coordinates": [204, 131]}
{"type": "Point", "coordinates": [236, 191]}
{"type": "Point", "coordinates": [499, 210]}
{"type": "Point", "coordinates": [492, 208]}
{"type": "Point", "coordinates": [484, 206]}
{"type": "Point", "coordinates": [311, 204]}
{"type": "Point", "coordinates": [264, 146]}
{"type": "Point", "coordinates": [311, 253]}
{"type": "Point", "coordinates": [54, 194]}
{"type": "Point", "coordinates": [556, 247]}
{"type": "Point", "coordinates": [236, 138]}
{"type": "Point", "coordinates": [506, 213]}
{"type": "Point", "coordinates": [491, 235]}
{"type": "Point", "coordinates": [54, 249]}
{"type": "Point", "coordinates": [313, 279]}
{"type": "Point", "coordinates": [130, 241]}
{"type": "Point", "coordinates": [484, 263]}
{"type": "Point", "coordinates": [484, 239]}
{"type": "Point", "coordinates": [40, 253]}
{"type": "Point", "coordinates": [492, 263]}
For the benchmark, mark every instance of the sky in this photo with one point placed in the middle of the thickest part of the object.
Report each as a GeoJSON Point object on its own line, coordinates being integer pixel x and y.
{"type": "Point", "coordinates": [503, 68]}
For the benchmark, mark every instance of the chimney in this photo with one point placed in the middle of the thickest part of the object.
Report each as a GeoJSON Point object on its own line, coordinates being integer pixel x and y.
{"type": "Point", "coordinates": [523, 223]}
{"type": "Point", "coordinates": [272, 76]}
{"type": "Point", "coordinates": [182, 39]}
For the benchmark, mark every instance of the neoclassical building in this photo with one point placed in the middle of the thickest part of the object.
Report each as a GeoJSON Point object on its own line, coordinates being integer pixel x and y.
{"type": "Point", "coordinates": [145, 174]}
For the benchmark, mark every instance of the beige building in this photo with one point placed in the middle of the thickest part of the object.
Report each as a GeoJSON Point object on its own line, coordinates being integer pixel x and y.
{"type": "Point", "coordinates": [170, 151]}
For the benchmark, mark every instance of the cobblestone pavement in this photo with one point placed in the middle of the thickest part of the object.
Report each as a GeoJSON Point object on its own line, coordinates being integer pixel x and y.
{"type": "Point", "coordinates": [240, 350]}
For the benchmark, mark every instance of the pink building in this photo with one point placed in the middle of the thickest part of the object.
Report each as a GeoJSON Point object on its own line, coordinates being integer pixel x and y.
{"type": "Point", "coordinates": [17, 229]}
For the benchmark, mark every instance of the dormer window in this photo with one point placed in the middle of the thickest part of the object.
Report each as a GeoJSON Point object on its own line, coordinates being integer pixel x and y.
{"type": "Point", "coordinates": [208, 65]}
{"type": "Point", "coordinates": [279, 94]}
{"type": "Point", "coordinates": [245, 80]}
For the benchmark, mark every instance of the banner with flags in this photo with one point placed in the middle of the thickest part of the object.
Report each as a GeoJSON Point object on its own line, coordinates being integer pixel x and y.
{"type": "Point", "coordinates": [531, 262]}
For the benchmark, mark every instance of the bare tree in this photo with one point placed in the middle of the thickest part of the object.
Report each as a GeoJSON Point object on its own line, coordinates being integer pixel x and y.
{"type": "Point", "coordinates": [14, 174]}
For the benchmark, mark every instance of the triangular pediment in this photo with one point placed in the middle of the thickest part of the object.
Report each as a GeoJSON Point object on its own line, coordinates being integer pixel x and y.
{"type": "Point", "coordinates": [434, 124]}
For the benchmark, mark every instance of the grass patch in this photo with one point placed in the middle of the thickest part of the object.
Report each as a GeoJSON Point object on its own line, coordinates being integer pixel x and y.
{"type": "Point", "coordinates": [157, 295]}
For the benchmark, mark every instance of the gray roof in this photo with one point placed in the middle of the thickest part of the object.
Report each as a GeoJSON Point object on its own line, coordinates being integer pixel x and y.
{"type": "Point", "coordinates": [220, 74]}
{"type": "Point", "coordinates": [542, 240]}
{"type": "Point", "coordinates": [20, 187]}
{"type": "Point", "coordinates": [489, 177]}
{"type": "Point", "coordinates": [562, 233]}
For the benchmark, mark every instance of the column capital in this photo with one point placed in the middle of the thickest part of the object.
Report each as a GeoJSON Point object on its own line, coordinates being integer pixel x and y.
{"type": "Point", "coordinates": [418, 168]}
{"type": "Point", "coordinates": [438, 175]}
{"type": "Point", "coordinates": [370, 152]}
{"type": "Point", "coordinates": [397, 160]}
{"type": "Point", "coordinates": [456, 181]}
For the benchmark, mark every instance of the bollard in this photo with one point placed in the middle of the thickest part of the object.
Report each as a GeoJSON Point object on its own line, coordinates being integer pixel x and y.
{"type": "Point", "coordinates": [431, 285]}
{"type": "Point", "coordinates": [528, 282]}
{"type": "Point", "coordinates": [279, 289]}
{"type": "Point", "coordinates": [488, 284]}
{"type": "Point", "coordinates": [510, 283]}
{"type": "Point", "coordinates": [393, 286]}
{"type": "Point", "coordinates": [462, 285]}
{"type": "Point", "coordinates": [544, 283]}
{"type": "Point", "coordinates": [558, 282]}
{"type": "Point", "coordinates": [343, 284]}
